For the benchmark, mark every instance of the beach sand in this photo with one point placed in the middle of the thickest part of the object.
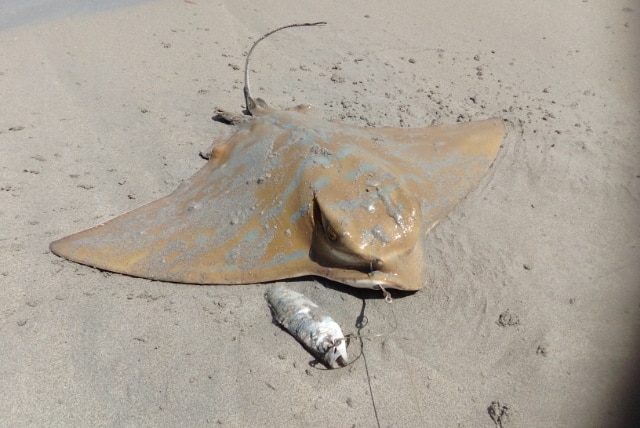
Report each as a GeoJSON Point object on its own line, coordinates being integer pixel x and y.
{"type": "Point", "coordinates": [531, 316]}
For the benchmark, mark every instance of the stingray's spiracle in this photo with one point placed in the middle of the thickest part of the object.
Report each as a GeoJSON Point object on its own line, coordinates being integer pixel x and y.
{"type": "Point", "coordinates": [249, 103]}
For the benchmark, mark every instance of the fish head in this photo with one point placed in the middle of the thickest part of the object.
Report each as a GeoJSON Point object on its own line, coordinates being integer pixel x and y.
{"type": "Point", "coordinates": [330, 343]}
{"type": "Point", "coordinates": [336, 354]}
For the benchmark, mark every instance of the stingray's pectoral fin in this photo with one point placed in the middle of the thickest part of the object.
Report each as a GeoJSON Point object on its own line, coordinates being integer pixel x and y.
{"type": "Point", "coordinates": [127, 244]}
{"type": "Point", "coordinates": [306, 109]}
{"type": "Point", "coordinates": [455, 162]}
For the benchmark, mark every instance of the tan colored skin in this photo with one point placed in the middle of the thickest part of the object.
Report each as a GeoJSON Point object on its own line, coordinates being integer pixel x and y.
{"type": "Point", "coordinates": [291, 195]}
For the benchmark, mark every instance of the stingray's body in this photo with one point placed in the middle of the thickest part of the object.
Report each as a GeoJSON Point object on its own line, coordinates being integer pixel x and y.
{"type": "Point", "coordinates": [291, 195]}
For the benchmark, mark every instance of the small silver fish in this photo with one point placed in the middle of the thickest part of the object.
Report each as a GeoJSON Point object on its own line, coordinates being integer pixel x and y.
{"type": "Point", "coordinates": [318, 332]}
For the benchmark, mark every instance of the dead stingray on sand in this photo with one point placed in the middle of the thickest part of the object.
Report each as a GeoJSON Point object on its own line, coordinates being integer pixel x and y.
{"type": "Point", "coordinates": [290, 194]}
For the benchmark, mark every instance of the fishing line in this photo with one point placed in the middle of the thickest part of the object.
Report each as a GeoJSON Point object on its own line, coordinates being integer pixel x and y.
{"type": "Point", "coordinates": [361, 322]}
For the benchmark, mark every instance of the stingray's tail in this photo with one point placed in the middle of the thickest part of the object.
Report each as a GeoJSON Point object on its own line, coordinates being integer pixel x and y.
{"type": "Point", "coordinates": [249, 103]}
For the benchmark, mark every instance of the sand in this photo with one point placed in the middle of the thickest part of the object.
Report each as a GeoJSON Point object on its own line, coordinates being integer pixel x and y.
{"type": "Point", "coordinates": [531, 316]}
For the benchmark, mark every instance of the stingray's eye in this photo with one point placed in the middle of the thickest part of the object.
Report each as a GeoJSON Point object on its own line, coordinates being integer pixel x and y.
{"type": "Point", "coordinates": [323, 223]}
{"type": "Point", "coordinates": [331, 232]}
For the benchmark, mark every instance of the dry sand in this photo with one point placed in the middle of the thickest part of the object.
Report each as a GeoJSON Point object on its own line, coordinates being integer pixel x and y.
{"type": "Point", "coordinates": [534, 297]}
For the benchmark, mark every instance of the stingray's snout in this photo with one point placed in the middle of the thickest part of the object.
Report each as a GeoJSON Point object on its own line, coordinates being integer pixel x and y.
{"type": "Point", "coordinates": [404, 271]}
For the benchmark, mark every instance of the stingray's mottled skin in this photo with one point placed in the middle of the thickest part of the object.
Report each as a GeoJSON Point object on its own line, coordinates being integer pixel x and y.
{"type": "Point", "coordinates": [291, 195]}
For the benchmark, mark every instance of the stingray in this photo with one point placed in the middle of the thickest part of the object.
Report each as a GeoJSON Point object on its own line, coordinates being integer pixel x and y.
{"type": "Point", "coordinates": [291, 194]}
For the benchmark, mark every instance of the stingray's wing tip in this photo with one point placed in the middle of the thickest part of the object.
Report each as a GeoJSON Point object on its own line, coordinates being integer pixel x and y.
{"type": "Point", "coordinates": [492, 136]}
{"type": "Point", "coordinates": [67, 248]}
{"type": "Point", "coordinates": [57, 247]}
{"type": "Point", "coordinates": [500, 127]}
